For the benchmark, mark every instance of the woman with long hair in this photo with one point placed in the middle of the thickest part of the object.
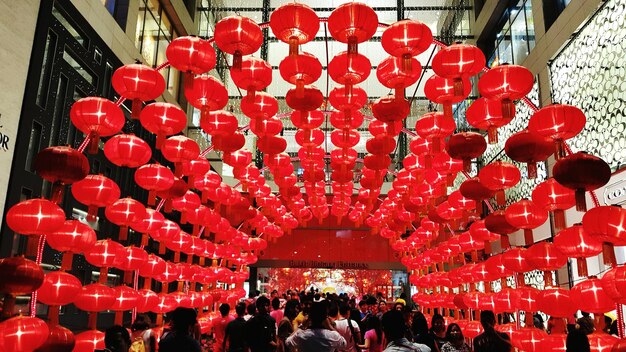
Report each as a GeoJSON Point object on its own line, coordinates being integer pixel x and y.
{"type": "Point", "coordinates": [142, 334]}
{"type": "Point", "coordinates": [373, 336]}
{"type": "Point", "coordinates": [285, 325]}
{"type": "Point", "coordinates": [456, 341]}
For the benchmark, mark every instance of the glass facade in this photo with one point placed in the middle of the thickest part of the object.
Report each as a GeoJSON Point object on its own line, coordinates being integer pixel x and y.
{"type": "Point", "coordinates": [516, 37]}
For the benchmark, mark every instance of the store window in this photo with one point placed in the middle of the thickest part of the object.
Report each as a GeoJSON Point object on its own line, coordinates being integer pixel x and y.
{"type": "Point", "coordinates": [154, 33]}
{"type": "Point", "coordinates": [516, 36]}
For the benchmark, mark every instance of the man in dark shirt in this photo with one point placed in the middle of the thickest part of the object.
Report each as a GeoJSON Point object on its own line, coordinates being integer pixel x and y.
{"type": "Point", "coordinates": [179, 339]}
{"type": "Point", "coordinates": [235, 331]}
{"type": "Point", "coordinates": [491, 340]}
{"type": "Point", "coordinates": [260, 330]}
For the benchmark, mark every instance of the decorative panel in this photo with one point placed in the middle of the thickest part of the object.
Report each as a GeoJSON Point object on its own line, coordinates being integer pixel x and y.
{"type": "Point", "coordinates": [590, 73]}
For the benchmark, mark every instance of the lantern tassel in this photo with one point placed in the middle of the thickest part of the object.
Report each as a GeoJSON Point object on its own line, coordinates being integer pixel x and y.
{"type": "Point", "coordinates": [128, 277]}
{"type": "Point", "coordinates": [458, 86]}
{"type": "Point", "coordinates": [507, 109]}
{"type": "Point", "coordinates": [160, 139]}
{"type": "Point", "coordinates": [161, 247]}
{"type": "Point", "coordinates": [93, 320]}
{"type": "Point", "coordinates": [118, 317]}
{"type": "Point", "coordinates": [251, 95]}
{"type": "Point", "coordinates": [487, 247]}
{"type": "Point", "coordinates": [608, 253]}
{"type": "Point", "coordinates": [581, 264]}
{"type": "Point", "coordinates": [293, 45]}
{"type": "Point", "coordinates": [92, 212]}
{"type": "Point", "coordinates": [56, 195]}
{"type": "Point", "coordinates": [237, 60]}
{"type": "Point", "coordinates": [435, 144]}
{"type": "Point", "coordinates": [559, 152]}
{"type": "Point", "coordinates": [104, 275]}
{"type": "Point", "coordinates": [532, 170]}
{"type": "Point", "coordinates": [159, 319]}
{"type": "Point", "coordinates": [547, 278]}
{"type": "Point", "coordinates": [500, 197]}
{"type": "Point", "coordinates": [559, 219]}
{"type": "Point", "coordinates": [53, 315]}
{"type": "Point", "coordinates": [352, 45]}
{"type": "Point", "coordinates": [32, 245]}
{"type": "Point", "coordinates": [66, 262]}
{"type": "Point", "coordinates": [447, 111]}
{"type": "Point", "coordinates": [581, 201]}
{"type": "Point", "coordinates": [528, 237]}
{"type": "Point", "coordinates": [135, 109]}
{"type": "Point", "coordinates": [399, 93]}
{"type": "Point", "coordinates": [407, 63]}
{"type": "Point", "coordinates": [492, 135]}
{"type": "Point", "coordinates": [8, 306]}
{"type": "Point", "coordinates": [504, 241]}
{"type": "Point", "coordinates": [176, 257]}
{"type": "Point", "coordinates": [300, 88]}
{"type": "Point", "coordinates": [94, 143]}
{"type": "Point", "coordinates": [123, 233]}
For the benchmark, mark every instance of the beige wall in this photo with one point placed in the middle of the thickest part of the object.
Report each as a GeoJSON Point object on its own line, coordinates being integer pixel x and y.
{"type": "Point", "coordinates": [17, 38]}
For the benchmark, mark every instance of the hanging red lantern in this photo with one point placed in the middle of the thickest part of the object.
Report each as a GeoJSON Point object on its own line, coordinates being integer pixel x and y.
{"type": "Point", "coordinates": [458, 61]}
{"type": "Point", "coordinates": [138, 83]}
{"type": "Point", "coordinates": [58, 289]}
{"type": "Point", "coordinates": [125, 299]}
{"type": "Point", "coordinates": [347, 118]}
{"type": "Point", "coordinates": [154, 177]}
{"type": "Point", "coordinates": [72, 237]}
{"type": "Point", "coordinates": [466, 146]}
{"type": "Point", "coordinates": [497, 222]}
{"type": "Point", "coordinates": [147, 300]}
{"type": "Point", "coordinates": [187, 203]}
{"type": "Point", "coordinates": [506, 83]}
{"type": "Point", "coordinates": [220, 122]}
{"type": "Point", "coordinates": [391, 74]}
{"type": "Point", "coordinates": [613, 283]}
{"type": "Point", "coordinates": [271, 126]}
{"type": "Point", "coordinates": [310, 99]}
{"type": "Point", "coordinates": [352, 23]}
{"type": "Point", "coordinates": [89, 341]}
{"type": "Point", "coordinates": [349, 69]}
{"type": "Point", "coordinates": [529, 148]}
{"type": "Point", "coordinates": [253, 75]}
{"type": "Point", "coordinates": [499, 176]}
{"type": "Point", "coordinates": [103, 255]}
{"type": "Point", "coordinates": [441, 90]}
{"type": "Point", "coordinates": [180, 149]}
{"type": "Point", "coordinates": [294, 24]}
{"type": "Point", "coordinates": [575, 242]}
{"type": "Point", "coordinates": [59, 339]}
{"type": "Point", "coordinates": [20, 276]}
{"type": "Point", "coordinates": [127, 150]}
{"type": "Point", "coordinates": [94, 298]}
{"type": "Point", "coordinates": [390, 109]}
{"type": "Point", "coordinates": [607, 224]}
{"type": "Point", "coordinates": [405, 39]}
{"type": "Point", "coordinates": [589, 296]}
{"type": "Point", "coordinates": [488, 115]}
{"type": "Point", "coordinates": [479, 231]}
{"type": "Point", "coordinates": [95, 191]}
{"type": "Point", "coordinates": [191, 54]}
{"type": "Point", "coordinates": [271, 144]}
{"type": "Point", "coordinates": [546, 257]}
{"type": "Point", "coordinates": [238, 36]}
{"type": "Point", "coordinates": [558, 122]}
{"type": "Point", "coordinates": [97, 117]}
{"type": "Point", "coordinates": [506, 300]}
{"type": "Point", "coordinates": [167, 232]}
{"type": "Point", "coordinates": [61, 166]}
{"type": "Point", "coordinates": [300, 69]}
{"type": "Point", "coordinates": [554, 197]}
{"type": "Point", "coordinates": [435, 126]}
{"type": "Point", "coordinates": [526, 215]}
{"type": "Point", "coordinates": [529, 339]}
{"type": "Point", "coordinates": [195, 168]}
{"type": "Point", "coordinates": [163, 119]}
{"type": "Point", "coordinates": [529, 298]}
{"type": "Point", "coordinates": [238, 159]}
{"type": "Point", "coordinates": [600, 341]}
{"type": "Point", "coordinates": [23, 333]}
{"type": "Point", "coordinates": [472, 188]}
{"type": "Point", "coordinates": [308, 119]}
{"type": "Point", "coordinates": [515, 259]}
{"type": "Point", "coordinates": [496, 266]}
{"type": "Point", "coordinates": [129, 259]}
{"type": "Point", "coordinates": [583, 173]}
{"type": "Point", "coordinates": [153, 266]}
{"type": "Point", "coordinates": [35, 217]}
{"type": "Point", "coordinates": [125, 212]}
{"type": "Point", "coordinates": [557, 302]}
{"type": "Point", "coordinates": [377, 127]}
{"type": "Point", "coordinates": [206, 93]}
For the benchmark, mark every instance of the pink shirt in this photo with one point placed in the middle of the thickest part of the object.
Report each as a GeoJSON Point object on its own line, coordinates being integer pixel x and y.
{"type": "Point", "coordinates": [219, 330]}
{"type": "Point", "coordinates": [277, 315]}
{"type": "Point", "coordinates": [374, 343]}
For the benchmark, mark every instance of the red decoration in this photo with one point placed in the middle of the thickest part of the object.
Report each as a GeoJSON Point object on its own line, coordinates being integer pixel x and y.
{"type": "Point", "coordinates": [138, 83]}
{"type": "Point", "coordinates": [515, 259]}
{"type": "Point", "coordinates": [390, 109]}
{"type": "Point", "coordinates": [589, 296]}
{"type": "Point", "coordinates": [582, 172]}
{"type": "Point", "coordinates": [72, 237]}
{"type": "Point", "coordinates": [129, 259]}
{"type": "Point", "coordinates": [435, 126]}
{"type": "Point", "coordinates": [294, 24]}
{"type": "Point", "coordinates": [575, 242]}
{"type": "Point", "coordinates": [163, 119]}
{"type": "Point", "coordinates": [391, 74]}
{"type": "Point", "coordinates": [20, 276]}
{"type": "Point", "coordinates": [262, 127]}
{"type": "Point", "coordinates": [466, 146]}
{"type": "Point", "coordinates": [59, 288]}
{"type": "Point", "coordinates": [180, 149]}
{"type": "Point", "coordinates": [23, 333]}
{"type": "Point", "coordinates": [61, 166]}
{"type": "Point", "coordinates": [441, 90]}
{"type": "Point", "coordinates": [526, 215]}
{"type": "Point", "coordinates": [103, 255]}
{"type": "Point", "coordinates": [89, 341]}
{"type": "Point", "coordinates": [489, 115]}
{"type": "Point", "coordinates": [499, 176]}
{"type": "Point", "coordinates": [405, 39]}
{"type": "Point", "coordinates": [238, 36]}
{"type": "Point", "coordinates": [94, 298]}
{"type": "Point", "coordinates": [253, 75]}
{"type": "Point", "coordinates": [310, 99]}
{"type": "Point", "coordinates": [95, 191]}
{"type": "Point", "coordinates": [206, 93]}
{"type": "Point", "coordinates": [35, 217]}
{"type": "Point", "coordinates": [529, 148]}
{"type": "Point", "coordinates": [300, 69]}
{"type": "Point", "coordinates": [147, 300]}
{"type": "Point", "coordinates": [547, 257]}
{"type": "Point", "coordinates": [607, 224]}
{"type": "Point", "coordinates": [458, 61]}
{"type": "Point", "coordinates": [473, 189]}
{"type": "Point", "coordinates": [310, 119]}
{"type": "Point", "coordinates": [558, 123]}
{"type": "Point", "coordinates": [352, 23]}
{"type": "Point", "coordinates": [127, 150]}
{"type": "Point", "coordinates": [154, 177]}
{"type": "Point", "coordinates": [556, 302]}
{"type": "Point", "coordinates": [125, 212]}
{"type": "Point", "coordinates": [349, 69]}
{"type": "Point", "coordinates": [554, 197]}
{"type": "Point", "coordinates": [506, 83]}
{"type": "Point", "coordinates": [496, 222]}
{"type": "Point", "coordinates": [529, 339]}
{"type": "Point", "coordinates": [97, 117]}
{"type": "Point", "coordinates": [191, 54]}
{"type": "Point", "coordinates": [59, 339]}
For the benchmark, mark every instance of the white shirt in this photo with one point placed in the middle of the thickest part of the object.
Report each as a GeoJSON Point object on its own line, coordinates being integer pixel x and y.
{"type": "Point", "coordinates": [316, 340]}
{"type": "Point", "coordinates": [344, 330]}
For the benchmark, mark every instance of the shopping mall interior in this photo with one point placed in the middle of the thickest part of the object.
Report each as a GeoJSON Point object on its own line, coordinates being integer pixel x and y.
{"type": "Point", "coordinates": [161, 154]}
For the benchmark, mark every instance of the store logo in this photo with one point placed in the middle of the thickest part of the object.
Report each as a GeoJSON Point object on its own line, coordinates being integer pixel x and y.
{"type": "Point", "coordinates": [4, 139]}
{"type": "Point", "coordinates": [615, 193]}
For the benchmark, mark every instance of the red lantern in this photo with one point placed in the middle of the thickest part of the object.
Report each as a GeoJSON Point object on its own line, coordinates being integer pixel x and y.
{"type": "Point", "coordinates": [309, 119]}
{"type": "Point", "coordinates": [507, 300]}
{"type": "Point", "coordinates": [529, 148]}
{"type": "Point", "coordinates": [499, 176]}
{"type": "Point", "coordinates": [180, 149]}
{"type": "Point", "coordinates": [163, 119]}
{"type": "Point", "coordinates": [271, 144]}
{"type": "Point", "coordinates": [97, 117]}
{"type": "Point", "coordinates": [125, 298]}
{"type": "Point", "coordinates": [103, 255]}
{"type": "Point", "coordinates": [147, 300]}
{"type": "Point", "coordinates": [582, 172]}
{"type": "Point", "coordinates": [480, 233]}
{"type": "Point", "coordinates": [466, 146]}
{"type": "Point", "coordinates": [154, 177]}
{"type": "Point", "coordinates": [529, 298]}
{"type": "Point", "coordinates": [441, 90]}
{"type": "Point", "coordinates": [294, 24]}
{"type": "Point", "coordinates": [405, 39]}
{"type": "Point", "coordinates": [35, 217]}
{"type": "Point", "coordinates": [207, 94]}
{"type": "Point", "coordinates": [263, 106]}
{"type": "Point", "coordinates": [347, 118]}
{"type": "Point", "coordinates": [95, 191]}
{"type": "Point", "coordinates": [271, 126]}
{"type": "Point", "coordinates": [545, 256]}
{"type": "Point", "coordinates": [526, 215]}
{"type": "Point", "coordinates": [506, 83]}
{"type": "Point", "coordinates": [22, 333]}
{"type": "Point", "coordinates": [253, 75]}
{"type": "Point", "coordinates": [390, 109]}
{"type": "Point", "coordinates": [458, 61]}
{"type": "Point", "coordinates": [187, 203]}
{"type": "Point", "coordinates": [557, 302]}
{"type": "Point", "coordinates": [89, 341]}
{"type": "Point", "coordinates": [300, 69]}
{"type": "Point", "coordinates": [435, 126]}
{"type": "Point", "coordinates": [59, 339]}
{"type": "Point", "coordinates": [554, 197]}
{"type": "Point", "coordinates": [58, 289]}
{"type": "Point", "coordinates": [529, 339]}
{"type": "Point", "coordinates": [61, 166]}
{"type": "Point", "coordinates": [575, 242]}
{"type": "Point", "coordinates": [600, 342]}
{"type": "Point", "coordinates": [607, 224]}
{"type": "Point", "coordinates": [191, 54]}
{"type": "Point", "coordinates": [515, 259]}
{"type": "Point", "coordinates": [238, 36]}
{"type": "Point", "coordinates": [488, 115]}
{"type": "Point", "coordinates": [349, 69]}
{"type": "Point", "coordinates": [129, 259]}
{"type": "Point", "coordinates": [72, 237]}
{"type": "Point", "coordinates": [125, 212]}
{"type": "Point", "coordinates": [127, 150]}
{"type": "Point", "coordinates": [496, 222]}
{"type": "Point", "coordinates": [310, 99]}
{"type": "Point", "coordinates": [558, 123]}
{"type": "Point", "coordinates": [391, 74]}
{"type": "Point", "coordinates": [589, 296]}
{"type": "Point", "coordinates": [352, 23]}
{"type": "Point", "coordinates": [20, 276]}
{"type": "Point", "coordinates": [138, 83]}
{"type": "Point", "coordinates": [473, 189]}
{"type": "Point", "coordinates": [94, 298]}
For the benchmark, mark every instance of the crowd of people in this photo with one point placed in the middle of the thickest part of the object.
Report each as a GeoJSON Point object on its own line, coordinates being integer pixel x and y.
{"type": "Point", "coordinates": [308, 321]}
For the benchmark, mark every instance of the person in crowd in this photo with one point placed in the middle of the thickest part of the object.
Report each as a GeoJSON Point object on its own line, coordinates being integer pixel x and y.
{"type": "Point", "coordinates": [219, 326]}
{"type": "Point", "coordinates": [346, 327]}
{"type": "Point", "coordinates": [373, 336]}
{"type": "Point", "coordinates": [276, 312]}
{"type": "Point", "coordinates": [585, 323]}
{"type": "Point", "coordinates": [235, 331]}
{"type": "Point", "coordinates": [305, 305]}
{"type": "Point", "coordinates": [577, 341]}
{"type": "Point", "coordinates": [438, 330]}
{"type": "Point", "coordinates": [320, 335]}
{"type": "Point", "coordinates": [180, 339]}
{"type": "Point", "coordinates": [456, 341]}
{"type": "Point", "coordinates": [142, 334]}
{"type": "Point", "coordinates": [250, 311]}
{"type": "Point", "coordinates": [419, 329]}
{"type": "Point", "coordinates": [260, 332]}
{"type": "Point", "coordinates": [116, 339]}
{"type": "Point", "coordinates": [382, 309]}
{"type": "Point", "coordinates": [364, 313]}
{"type": "Point", "coordinates": [538, 321]}
{"type": "Point", "coordinates": [608, 321]}
{"type": "Point", "coordinates": [491, 340]}
{"type": "Point", "coordinates": [393, 327]}
{"type": "Point", "coordinates": [285, 326]}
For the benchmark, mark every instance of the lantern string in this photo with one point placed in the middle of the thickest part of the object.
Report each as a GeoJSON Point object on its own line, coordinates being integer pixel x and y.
{"type": "Point", "coordinates": [33, 296]}
{"type": "Point", "coordinates": [84, 144]}
{"type": "Point", "coordinates": [160, 205]}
